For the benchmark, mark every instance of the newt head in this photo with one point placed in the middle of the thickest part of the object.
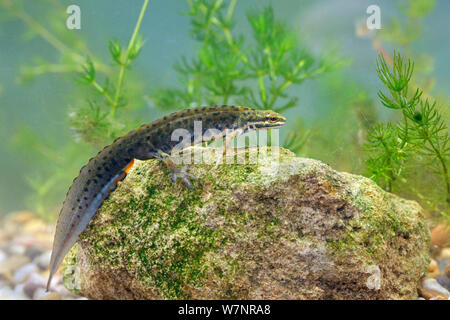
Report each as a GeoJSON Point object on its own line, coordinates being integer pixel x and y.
{"type": "Point", "coordinates": [263, 119]}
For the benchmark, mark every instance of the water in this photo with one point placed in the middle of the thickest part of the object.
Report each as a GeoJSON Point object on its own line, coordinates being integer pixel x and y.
{"type": "Point", "coordinates": [43, 104]}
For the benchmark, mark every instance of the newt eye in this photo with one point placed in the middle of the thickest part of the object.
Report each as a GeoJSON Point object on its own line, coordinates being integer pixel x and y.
{"type": "Point", "coordinates": [273, 119]}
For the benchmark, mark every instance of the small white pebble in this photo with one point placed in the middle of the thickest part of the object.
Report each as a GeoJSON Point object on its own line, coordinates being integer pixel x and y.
{"type": "Point", "coordinates": [34, 282]}
{"type": "Point", "coordinates": [62, 290]}
{"type": "Point", "coordinates": [43, 260]}
{"type": "Point", "coordinates": [19, 293]}
{"type": "Point", "coordinates": [17, 249]}
{"type": "Point", "coordinates": [445, 253]}
{"type": "Point", "coordinates": [3, 256]}
{"type": "Point", "coordinates": [431, 285]}
{"type": "Point", "coordinates": [40, 293]}
{"type": "Point", "coordinates": [23, 272]}
{"type": "Point", "coordinates": [6, 293]}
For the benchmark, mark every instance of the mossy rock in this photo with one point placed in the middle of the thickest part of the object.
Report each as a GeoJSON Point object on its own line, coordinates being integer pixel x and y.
{"type": "Point", "coordinates": [287, 228]}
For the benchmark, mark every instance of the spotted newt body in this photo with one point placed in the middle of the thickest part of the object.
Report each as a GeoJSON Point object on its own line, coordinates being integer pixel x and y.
{"type": "Point", "coordinates": [100, 176]}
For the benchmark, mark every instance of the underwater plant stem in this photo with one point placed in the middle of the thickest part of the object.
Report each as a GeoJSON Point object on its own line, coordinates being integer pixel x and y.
{"type": "Point", "coordinates": [225, 99]}
{"type": "Point", "coordinates": [405, 138]}
{"type": "Point", "coordinates": [233, 45]}
{"type": "Point", "coordinates": [102, 91]}
{"type": "Point", "coordinates": [138, 25]}
{"type": "Point", "coordinates": [125, 63]}
{"type": "Point", "coordinates": [444, 168]}
{"type": "Point", "coordinates": [390, 61]}
{"type": "Point", "coordinates": [227, 33]}
{"type": "Point", "coordinates": [50, 38]}
{"type": "Point", "coordinates": [117, 94]}
{"type": "Point", "coordinates": [45, 34]}
{"type": "Point", "coordinates": [390, 172]}
{"type": "Point", "coordinates": [52, 68]}
{"type": "Point", "coordinates": [211, 18]}
{"type": "Point", "coordinates": [231, 10]}
{"type": "Point", "coordinates": [276, 93]}
{"type": "Point", "coordinates": [262, 88]}
{"type": "Point", "coordinates": [286, 83]}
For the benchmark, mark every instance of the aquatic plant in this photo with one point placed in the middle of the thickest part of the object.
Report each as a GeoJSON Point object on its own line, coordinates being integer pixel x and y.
{"type": "Point", "coordinates": [93, 119]}
{"type": "Point", "coordinates": [262, 70]}
{"type": "Point", "coordinates": [229, 69]}
{"type": "Point", "coordinates": [226, 70]}
{"type": "Point", "coordinates": [337, 136]}
{"type": "Point", "coordinates": [422, 134]}
{"type": "Point", "coordinates": [97, 124]}
{"type": "Point", "coordinates": [417, 178]}
{"type": "Point", "coordinates": [404, 30]}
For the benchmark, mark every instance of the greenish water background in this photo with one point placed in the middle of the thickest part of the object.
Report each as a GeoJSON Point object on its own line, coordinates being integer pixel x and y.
{"type": "Point", "coordinates": [43, 104]}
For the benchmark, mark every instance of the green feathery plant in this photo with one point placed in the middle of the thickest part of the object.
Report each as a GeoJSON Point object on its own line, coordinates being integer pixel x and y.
{"type": "Point", "coordinates": [232, 69]}
{"type": "Point", "coordinates": [229, 69]}
{"type": "Point", "coordinates": [94, 121]}
{"type": "Point", "coordinates": [294, 141]}
{"type": "Point", "coordinates": [402, 31]}
{"type": "Point", "coordinates": [421, 133]}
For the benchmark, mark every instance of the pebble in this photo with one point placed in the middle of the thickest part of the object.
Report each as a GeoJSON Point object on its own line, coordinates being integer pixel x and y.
{"type": "Point", "coordinates": [23, 272]}
{"type": "Point", "coordinates": [442, 264]}
{"type": "Point", "coordinates": [440, 235]}
{"type": "Point", "coordinates": [56, 281]}
{"type": "Point", "coordinates": [52, 296]}
{"type": "Point", "coordinates": [40, 294]}
{"type": "Point", "coordinates": [444, 281]}
{"type": "Point", "coordinates": [32, 252]}
{"type": "Point", "coordinates": [25, 250]}
{"type": "Point", "coordinates": [6, 293]}
{"type": "Point", "coordinates": [22, 216]}
{"type": "Point", "coordinates": [445, 253]}
{"type": "Point", "coordinates": [4, 290]}
{"type": "Point", "coordinates": [431, 289]}
{"type": "Point", "coordinates": [433, 270]}
{"type": "Point", "coordinates": [13, 263]}
{"type": "Point", "coordinates": [62, 290]}
{"type": "Point", "coordinates": [34, 226]}
{"type": "Point", "coordinates": [34, 282]}
{"type": "Point", "coordinates": [19, 293]}
{"type": "Point", "coordinates": [16, 249]}
{"type": "Point", "coordinates": [43, 260]}
{"type": "Point", "coordinates": [3, 256]}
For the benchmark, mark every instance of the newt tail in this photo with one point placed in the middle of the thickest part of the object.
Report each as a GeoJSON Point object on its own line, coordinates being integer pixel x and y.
{"type": "Point", "coordinates": [100, 176]}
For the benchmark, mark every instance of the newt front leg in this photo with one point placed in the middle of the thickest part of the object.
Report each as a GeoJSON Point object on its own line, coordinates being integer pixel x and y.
{"type": "Point", "coordinates": [176, 173]}
{"type": "Point", "coordinates": [226, 145]}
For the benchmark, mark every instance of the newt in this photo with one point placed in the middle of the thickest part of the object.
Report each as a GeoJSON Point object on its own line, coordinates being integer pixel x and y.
{"type": "Point", "coordinates": [100, 176]}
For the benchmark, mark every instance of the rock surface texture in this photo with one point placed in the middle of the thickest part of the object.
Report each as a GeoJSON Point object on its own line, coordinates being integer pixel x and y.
{"type": "Point", "coordinates": [287, 228]}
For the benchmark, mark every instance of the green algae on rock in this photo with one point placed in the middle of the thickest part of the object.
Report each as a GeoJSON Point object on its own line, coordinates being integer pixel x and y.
{"type": "Point", "coordinates": [287, 229]}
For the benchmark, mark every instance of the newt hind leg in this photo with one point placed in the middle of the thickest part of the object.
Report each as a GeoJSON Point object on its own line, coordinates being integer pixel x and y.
{"type": "Point", "coordinates": [176, 173]}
